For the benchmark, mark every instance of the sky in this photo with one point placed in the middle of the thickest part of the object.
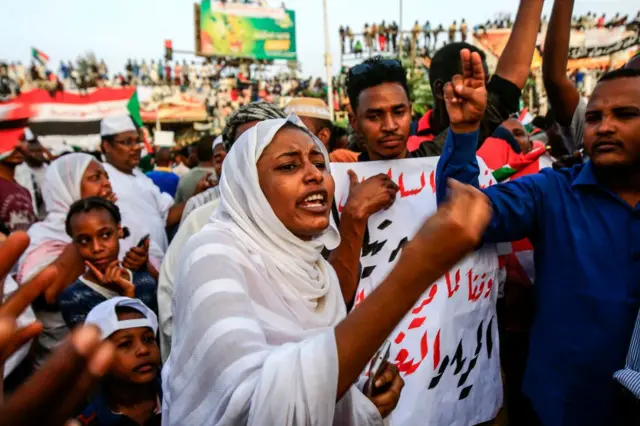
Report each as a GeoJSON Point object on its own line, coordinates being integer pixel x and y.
{"type": "Point", "coordinates": [120, 29]}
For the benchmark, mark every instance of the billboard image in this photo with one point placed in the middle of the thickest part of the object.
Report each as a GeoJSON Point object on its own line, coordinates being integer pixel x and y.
{"type": "Point", "coordinates": [246, 31]}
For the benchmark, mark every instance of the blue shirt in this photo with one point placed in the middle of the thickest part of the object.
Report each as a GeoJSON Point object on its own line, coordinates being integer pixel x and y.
{"type": "Point", "coordinates": [587, 290]}
{"type": "Point", "coordinates": [166, 181]}
{"type": "Point", "coordinates": [77, 300]}
{"type": "Point", "coordinates": [98, 413]}
{"type": "Point", "coordinates": [629, 377]}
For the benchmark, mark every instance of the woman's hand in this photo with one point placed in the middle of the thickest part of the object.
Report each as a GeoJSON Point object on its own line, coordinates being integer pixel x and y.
{"type": "Point", "coordinates": [116, 278]}
{"type": "Point", "coordinates": [137, 257]}
{"type": "Point", "coordinates": [387, 389]}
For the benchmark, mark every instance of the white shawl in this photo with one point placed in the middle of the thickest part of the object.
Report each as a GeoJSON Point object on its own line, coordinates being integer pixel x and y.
{"type": "Point", "coordinates": [254, 310]}
{"type": "Point", "coordinates": [61, 188]}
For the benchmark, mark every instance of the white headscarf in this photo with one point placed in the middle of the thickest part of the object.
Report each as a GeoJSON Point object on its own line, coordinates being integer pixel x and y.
{"type": "Point", "coordinates": [60, 190]}
{"type": "Point", "coordinates": [254, 314]}
{"type": "Point", "coordinates": [296, 266]}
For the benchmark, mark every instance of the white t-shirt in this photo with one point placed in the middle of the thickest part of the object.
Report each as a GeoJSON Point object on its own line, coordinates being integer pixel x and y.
{"type": "Point", "coordinates": [141, 203]}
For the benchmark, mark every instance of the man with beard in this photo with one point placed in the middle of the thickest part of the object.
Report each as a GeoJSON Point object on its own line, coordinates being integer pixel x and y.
{"type": "Point", "coordinates": [584, 224]}
{"type": "Point", "coordinates": [564, 99]}
{"type": "Point", "coordinates": [138, 197]}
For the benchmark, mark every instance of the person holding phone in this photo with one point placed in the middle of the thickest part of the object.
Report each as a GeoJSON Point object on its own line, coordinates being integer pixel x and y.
{"type": "Point", "coordinates": [94, 224]}
{"type": "Point", "coordinates": [68, 179]}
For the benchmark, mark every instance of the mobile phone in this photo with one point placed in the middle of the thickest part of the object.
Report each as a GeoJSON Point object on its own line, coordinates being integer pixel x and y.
{"type": "Point", "coordinates": [377, 366]}
{"type": "Point", "coordinates": [142, 241]}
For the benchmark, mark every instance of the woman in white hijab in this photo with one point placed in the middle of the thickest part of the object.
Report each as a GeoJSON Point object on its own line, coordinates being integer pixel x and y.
{"type": "Point", "coordinates": [68, 179]}
{"type": "Point", "coordinates": [260, 334]}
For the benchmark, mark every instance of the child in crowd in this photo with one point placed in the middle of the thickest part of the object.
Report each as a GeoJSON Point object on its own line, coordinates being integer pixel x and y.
{"type": "Point", "coordinates": [130, 393]}
{"type": "Point", "coordinates": [94, 225]}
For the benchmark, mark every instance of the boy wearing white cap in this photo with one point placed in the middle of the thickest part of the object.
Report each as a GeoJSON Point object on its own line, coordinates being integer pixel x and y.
{"type": "Point", "coordinates": [140, 200]}
{"type": "Point", "coordinates": [130, 393]}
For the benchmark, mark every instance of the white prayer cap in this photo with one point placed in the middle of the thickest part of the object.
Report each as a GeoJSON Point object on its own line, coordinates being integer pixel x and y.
{"type": "Point", "coordinates": [116, 124]}
{"type": "Point", "coordinates": [309, 107]}
{"type": "Point", "coordinates": [217, 141]}
{"type": "Point", "coordinates": [105, 317]}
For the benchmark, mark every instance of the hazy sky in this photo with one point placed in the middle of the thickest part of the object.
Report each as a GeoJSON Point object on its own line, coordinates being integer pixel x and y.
{"type": "Point", "coordinates": [119, 29]}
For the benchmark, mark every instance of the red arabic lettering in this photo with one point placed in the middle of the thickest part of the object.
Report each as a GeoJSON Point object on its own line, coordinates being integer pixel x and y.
{"type": "Point", "coordinates": [409, 367]}
{"type": "Point", "coordinates": [436, 351]}
{"type": "Point", "coordinates": [409, 192]}
{"type": "Point", "coordinates": [489, 287]}
{"type": "Point", "coordinates": [475, 292]}
{"type": "Point", "coordinates": [427, 300]}
{"type": "Point", "coordinates": [359, 298]}
{"type": "Point", "coordinates": [447, 277]}
{"type": "Point", "coordinates": [416, 322]}
{"type": "Point", "coordinates": [432, 181]}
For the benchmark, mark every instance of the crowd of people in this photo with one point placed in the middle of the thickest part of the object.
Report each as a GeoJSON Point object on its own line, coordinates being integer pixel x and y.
{"type": "Point", "coordinates": [210, 285]}
{"type": "Point", "coordinates": [388, 37]}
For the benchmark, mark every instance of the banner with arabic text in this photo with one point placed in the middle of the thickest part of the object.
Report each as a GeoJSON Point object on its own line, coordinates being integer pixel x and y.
{"type": "Point", "coordinates": [447, 346]}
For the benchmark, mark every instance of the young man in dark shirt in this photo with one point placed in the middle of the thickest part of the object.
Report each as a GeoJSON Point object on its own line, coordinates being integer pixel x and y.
{"type": "Point", "coordinates": [381, 114]}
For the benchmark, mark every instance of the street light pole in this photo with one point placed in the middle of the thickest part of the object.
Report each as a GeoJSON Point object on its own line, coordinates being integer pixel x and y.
{"type": "Point", "coordinates": [328, 61]}
{"type": "Point", "coordinates": [401, 43]}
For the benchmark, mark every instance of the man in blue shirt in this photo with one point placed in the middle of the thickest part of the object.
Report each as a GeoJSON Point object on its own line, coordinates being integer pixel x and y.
{"type": "Point", "coordinates": [629, 379]}
{"type": "Point", "coordinates": [162, 175]}
{"type": "Point", "coordinates": [584, 224]}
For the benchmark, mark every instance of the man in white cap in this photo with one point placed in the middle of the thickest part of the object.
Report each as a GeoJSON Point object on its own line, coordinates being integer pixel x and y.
{"type": "Point", "coordinates": [139, 199]}
{"type": "Point", "coordinates": [315, 114]}
{"type": "Point", "coordinates": [30, 174]}
{"type": "Point", "coordinates": [219, 154]}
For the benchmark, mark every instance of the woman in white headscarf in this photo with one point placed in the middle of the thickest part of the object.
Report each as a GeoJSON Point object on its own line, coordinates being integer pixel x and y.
{"type": "Point", "coordinates": [68, 179]}
{"type": "Point", "coordinates": [260, 335]}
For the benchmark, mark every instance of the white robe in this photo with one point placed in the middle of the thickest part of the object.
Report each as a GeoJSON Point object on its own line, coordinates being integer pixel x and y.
{"type": "Point", "coordinates": [141, 203]}
{"type": "Point", "coordinates": [254, 311]}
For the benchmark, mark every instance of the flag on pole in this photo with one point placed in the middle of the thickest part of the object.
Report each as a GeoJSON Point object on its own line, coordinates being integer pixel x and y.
{"type": "Point", "coordinates": [39, 56]}
{"type": "Point", "coordinates": [133, 106]}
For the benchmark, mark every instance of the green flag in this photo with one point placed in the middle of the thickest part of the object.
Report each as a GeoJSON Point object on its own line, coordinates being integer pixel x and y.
{"type": "Point", "coordinates": [133, 106]}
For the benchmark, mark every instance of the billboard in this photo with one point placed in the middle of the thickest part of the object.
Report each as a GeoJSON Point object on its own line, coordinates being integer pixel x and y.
{"type": "Point", "coordinates": [245, 31]}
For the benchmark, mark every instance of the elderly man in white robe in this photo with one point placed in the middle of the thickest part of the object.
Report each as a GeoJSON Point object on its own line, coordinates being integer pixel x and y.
{"type": "Point", "coordinates": [139, 198]}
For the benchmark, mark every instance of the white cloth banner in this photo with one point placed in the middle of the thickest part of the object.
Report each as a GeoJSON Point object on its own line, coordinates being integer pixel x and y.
{"type": "Point", "coordinates": [447, 347]}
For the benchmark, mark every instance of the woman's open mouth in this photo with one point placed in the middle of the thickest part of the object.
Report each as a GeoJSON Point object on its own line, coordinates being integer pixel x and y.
{"type": "Point", "coordinates": [315, 202]}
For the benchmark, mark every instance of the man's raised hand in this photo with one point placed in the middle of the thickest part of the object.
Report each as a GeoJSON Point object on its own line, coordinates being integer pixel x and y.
{"type": "Point", "coordinates": [466, 95]}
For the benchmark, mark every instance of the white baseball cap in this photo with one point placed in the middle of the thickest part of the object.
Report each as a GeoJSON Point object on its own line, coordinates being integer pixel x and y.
{"type": "Point", "coordinates": [105, 317]}
{"type": "Point", "coordinates": [116, 124]}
